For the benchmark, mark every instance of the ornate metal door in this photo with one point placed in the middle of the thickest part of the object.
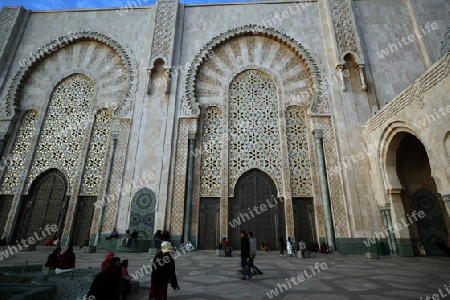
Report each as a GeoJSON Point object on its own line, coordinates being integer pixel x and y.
{"type": "Point", "coordinates": [85, 212]}
{"type": "Point", "coordinates": [432, 225]}
{"type": "Point", "coordinates": [255, 189]}
{"type": "Point", "coordinates": [209, 235]}
{"type": "Point", "coordinates": [304, 220]}
{"type": "Point", "coordinates": [47, 203]}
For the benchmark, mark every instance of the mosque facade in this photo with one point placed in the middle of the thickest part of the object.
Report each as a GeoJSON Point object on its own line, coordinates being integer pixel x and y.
{"type": "Point", "coordinates": [327, 120]}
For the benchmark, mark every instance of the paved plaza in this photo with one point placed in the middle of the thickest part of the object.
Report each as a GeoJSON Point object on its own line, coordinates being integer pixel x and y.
{"type": "Point", "coordinates": [202, 275]}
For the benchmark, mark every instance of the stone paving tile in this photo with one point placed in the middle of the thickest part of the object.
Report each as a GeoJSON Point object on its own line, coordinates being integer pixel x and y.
{"type": "Point", "coordinates": [204, 276]}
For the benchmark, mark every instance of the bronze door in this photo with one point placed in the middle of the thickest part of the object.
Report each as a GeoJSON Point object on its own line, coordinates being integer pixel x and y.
{"type": "Point", "coordinates": [255, 189]}
{"type": "Point", "coordinates": [47, 204]}
{"type": "Point", "coordinates": [85, 212]}
{"type": "Point", "coordinates": [432, 224]}
{"type": "Point", "coordinates": [209, 235]}
{"type": "Point", "coordinates": [304, 220]}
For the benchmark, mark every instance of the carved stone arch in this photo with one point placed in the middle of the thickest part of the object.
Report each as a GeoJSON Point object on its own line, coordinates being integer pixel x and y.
{"type": "Point", "coordinates": [219, 106]}
{"type": "Point", "coordinates": [29, 65]}
{"type": "Point", "coordinates": [358, 59]}
{"type": "Point", "coordinates": [301, 52]}
{"type": "Point", "coordinates": [278, 188]}
{"type": "Point", "coordinates": [387, 152]}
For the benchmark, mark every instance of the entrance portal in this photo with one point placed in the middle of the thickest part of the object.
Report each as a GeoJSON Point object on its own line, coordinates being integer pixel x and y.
{"type": "Point", "coordinates": [304, 220]}
{"type": "Point", "coordinates": [46, 205]}
{"type": "Point", "coordinates": [255, 208]}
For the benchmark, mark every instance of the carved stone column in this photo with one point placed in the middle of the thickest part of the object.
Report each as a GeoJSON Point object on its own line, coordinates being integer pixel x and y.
{"type": "Point", "coordinates": [324, 188]}
{"type": "Point", "coordinates": [189, 188]}
{"type": "Point", "coordinates": [386, 211]}
{"type": "Point", "coordinates": [114, 136]}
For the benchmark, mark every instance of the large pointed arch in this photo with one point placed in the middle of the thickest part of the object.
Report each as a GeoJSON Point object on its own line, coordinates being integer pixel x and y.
{"type": "Point", "coordinates": [27, 65]}
{"type": "Point", "coordinates": [255, 30]}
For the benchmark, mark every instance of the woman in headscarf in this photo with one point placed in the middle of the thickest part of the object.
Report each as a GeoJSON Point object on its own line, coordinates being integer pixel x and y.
{"type": "Point", "coordinates": [109, 256]}
{"type": "Point", "coordinates": [163, 272]}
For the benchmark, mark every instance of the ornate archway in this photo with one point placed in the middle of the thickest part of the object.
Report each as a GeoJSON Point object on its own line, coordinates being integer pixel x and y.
{"type": "Point", "coordinates": [255, 207]}
{"type": "Point", "coordinates": [46, 204]}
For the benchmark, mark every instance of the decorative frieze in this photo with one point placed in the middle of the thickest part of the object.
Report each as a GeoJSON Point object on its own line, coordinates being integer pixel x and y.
{"type": "Point", "coordinates": [270, 35]}
{"type": "Point", "coordinates": [163, 37]}
{"type": "Point", "coordinates": [126, 59]}
{"type": "Point", "coordinates": [412, 94]}
{"type": "Point", "coordinates": [446, 42]}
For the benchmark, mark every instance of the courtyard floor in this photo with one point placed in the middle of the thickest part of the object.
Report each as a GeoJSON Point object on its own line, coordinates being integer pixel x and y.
{"type": "Point", "coordinates": [202, 275]}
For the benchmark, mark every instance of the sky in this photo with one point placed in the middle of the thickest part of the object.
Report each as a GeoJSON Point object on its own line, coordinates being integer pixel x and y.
{"type": "Point", "coordinates": [63, 4]}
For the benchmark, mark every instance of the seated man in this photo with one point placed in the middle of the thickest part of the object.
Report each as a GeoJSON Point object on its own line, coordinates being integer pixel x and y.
{"type": "Point", "coordinates": [189, 246]}
{"type": "Point", "coordinates": [265, 247]}
{"type": "Point", "coordinates": [113, 235]}
{"type": "Point", "coordinates": [134, 236]}
{"type": "Point", "coordinates": [228, 248]}
{"type": "Point", "coordinates": [126, 238]}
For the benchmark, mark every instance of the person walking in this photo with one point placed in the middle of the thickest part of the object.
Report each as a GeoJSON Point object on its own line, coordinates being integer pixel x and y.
{"type": "Point", "coordinates": [163, 272]}
{"type": "Point", "coordinates": [252, 255]}
{"type": "Point", "coordinates": [245, 252]}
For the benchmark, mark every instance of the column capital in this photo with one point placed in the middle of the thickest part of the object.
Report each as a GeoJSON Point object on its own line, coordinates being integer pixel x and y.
{"type": "Point", "coordinates": [386, 207]}
{"type": "Point", "coordinates": [318, 133]}
{"type": "Point", "coordinates": [191, 135]}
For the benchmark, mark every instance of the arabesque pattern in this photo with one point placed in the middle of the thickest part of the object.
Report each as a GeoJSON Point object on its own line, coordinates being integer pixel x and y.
{"type": "Point", "coordinates": [97, 154]}
{"type": "Point", "coordinates": [211, 146]}
{"type": "Point", "coordinates": [254, 137]}
{"type": "Point", "coordinates": [64, 128]}
{"type": "Point", "coordinates": [299, 161]}
{"type": "Point", "coordinates": [16, 159]}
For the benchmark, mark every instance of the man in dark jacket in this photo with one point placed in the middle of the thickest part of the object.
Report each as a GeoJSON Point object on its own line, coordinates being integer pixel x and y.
{"type": "Point", "coordinates": [245, 251]}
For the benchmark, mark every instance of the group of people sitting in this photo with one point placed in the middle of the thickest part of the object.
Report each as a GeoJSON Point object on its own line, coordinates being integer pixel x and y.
{"type": "Point", "coordinates": [65, 261]}
{"type": "Point", "coordinates": [225, 245]}
{"type": "Point", "coordinates": [127, 239]}
{"type": "Point", "coordinates": [113, 280]}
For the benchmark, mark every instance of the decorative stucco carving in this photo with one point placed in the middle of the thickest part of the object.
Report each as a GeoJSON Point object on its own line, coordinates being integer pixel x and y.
{"type": "Point", "coordinates": [345, 30]}
{"type": "Point", "coordinates": [413, 93]}
{"type": "Point", "coordinates": [8, 18]}
{"type": "Point", "coordinates": [189, 109]}
{"type": "Point", "coordinates": [446, 42]}
{"type": "Point", "coordinates": [251, 31]}
{"type": "Point", "coordinates": [163, 37]}
{"type": "Point", "coordinates": [131, 74]}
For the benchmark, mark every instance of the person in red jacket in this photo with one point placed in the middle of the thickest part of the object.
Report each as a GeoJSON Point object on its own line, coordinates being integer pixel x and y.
{"type": "Point", "coordinates": [108, 257]}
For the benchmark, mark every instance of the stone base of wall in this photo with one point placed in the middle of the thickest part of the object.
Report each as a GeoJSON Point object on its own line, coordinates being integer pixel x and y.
{"type": "Point", "coordinates": [89, 249]}
{"type": "Point", "coordinates": [361, 246]}
{"type": "Point", "coordinates": [404, 247]}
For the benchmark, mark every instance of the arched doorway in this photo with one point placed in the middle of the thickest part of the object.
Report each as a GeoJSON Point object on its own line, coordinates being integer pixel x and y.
{"type": "Point", "coordinates": [255, 208]}
{"type": "Point", "coordinates": [46, 204]}
{"type": "Point", "coordinates": [419, 194]}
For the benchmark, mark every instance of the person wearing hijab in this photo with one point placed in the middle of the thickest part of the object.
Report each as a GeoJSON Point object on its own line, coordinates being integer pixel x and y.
{"type": "Point", "coordinates": [163, 272]}
{"type": "Point", "coordinates": [109, 256]}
